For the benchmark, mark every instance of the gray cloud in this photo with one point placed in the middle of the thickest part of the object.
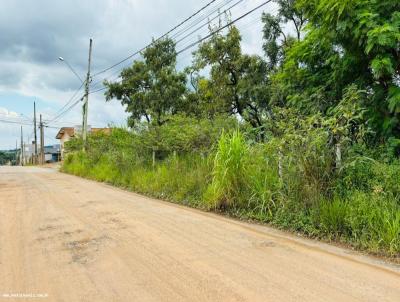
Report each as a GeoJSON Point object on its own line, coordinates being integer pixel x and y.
{"type": "Point", "coordinates": [40, 31]}
{"type": "Point", "coordinates": [34, 33]}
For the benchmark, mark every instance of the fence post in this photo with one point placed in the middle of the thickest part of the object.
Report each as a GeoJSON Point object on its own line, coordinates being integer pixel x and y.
{"type": "Point", "coordinates": [280, 168]}
{"type": "Point", "coordinates": [338, 153]}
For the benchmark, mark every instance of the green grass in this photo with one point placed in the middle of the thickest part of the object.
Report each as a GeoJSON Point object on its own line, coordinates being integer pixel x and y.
{"type": "Point", "coordinates": [332, 218]}
{"type": "Point", "coordinates": [230, 183]}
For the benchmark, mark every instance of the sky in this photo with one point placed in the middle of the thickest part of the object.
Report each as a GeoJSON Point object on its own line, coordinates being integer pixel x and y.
{"type": "Point", "coordinates": [34, 34]}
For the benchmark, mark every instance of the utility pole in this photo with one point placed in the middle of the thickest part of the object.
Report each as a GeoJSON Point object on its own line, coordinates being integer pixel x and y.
{"type": "Point", "coordinates": [21, 163]}
{"type": "Point", "coordinates": [16, 152]}
{"type": "Point", "coordinates": [86, 101]}
{"type": "Point", "coordinates": [41, 141]}
{"type": "Point", "coordinates": [35, 134]}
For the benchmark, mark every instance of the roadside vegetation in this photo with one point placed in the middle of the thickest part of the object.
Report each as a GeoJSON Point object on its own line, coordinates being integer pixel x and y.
{"type": "Point", "coordinates": [305, 138]}
{"type": "Point", "coordinates": [7, 158]}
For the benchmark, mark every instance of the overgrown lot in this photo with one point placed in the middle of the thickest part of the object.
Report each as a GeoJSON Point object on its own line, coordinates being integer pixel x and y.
{"type": "Point", "coordinates": [304, 135]}
{"type": "Point", "coordinates": [292, 184]}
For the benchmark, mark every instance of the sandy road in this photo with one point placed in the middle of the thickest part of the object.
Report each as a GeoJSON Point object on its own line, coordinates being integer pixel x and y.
{"type": "Point", "coordinates": [63, 238]}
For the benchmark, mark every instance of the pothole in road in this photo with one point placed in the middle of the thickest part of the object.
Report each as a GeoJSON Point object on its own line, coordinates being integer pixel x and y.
{"type": "Point", "coordinates": [83, 251]}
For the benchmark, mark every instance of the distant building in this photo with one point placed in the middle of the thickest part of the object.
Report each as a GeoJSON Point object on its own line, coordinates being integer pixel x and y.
{"type": "Point", "coordinates": [52, 153]}
{"type": "Point", "coordinates": [66, 133]}
{"type": "Point", "coordinates": [29, 152]}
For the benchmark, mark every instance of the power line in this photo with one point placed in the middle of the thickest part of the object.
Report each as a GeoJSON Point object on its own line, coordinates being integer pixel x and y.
{"type": "Point", "coordinates": [60, 112]}
{"type": "Point", "coordinates": [223, 27]}
{"type": "Point", "coordinates": [28, 122]}
{"type": "Point", "coordinates": [15, 117]}
{"type": "Point", "coordinates": [205, 18]}
{"type": "Point", "coordinates": [61, 123]}
{"type": "Point", "coordinates": [179, 52]}
{"type": "Point", "coordinates": [72, 98]}
{"type": "Point", "coordinates": [208, 22]}
{"type": "Point", "coordinates": [64, 112]}
{"type": "Point", "coordinates": [214, 32]}
{"type": "Point", "coordinates": [15, 122]}
{"type": "Point", "coordinates": [163, 36]}
{"type": "Point", "coordinates": [179, 33]}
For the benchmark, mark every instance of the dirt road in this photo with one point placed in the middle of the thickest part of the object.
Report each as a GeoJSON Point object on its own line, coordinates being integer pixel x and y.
{"type": "Point", "coordinates": [63, 238]}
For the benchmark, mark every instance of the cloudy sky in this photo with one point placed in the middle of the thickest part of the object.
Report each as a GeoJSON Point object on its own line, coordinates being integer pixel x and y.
{"type": "Point", "coordinates": [34, 33]}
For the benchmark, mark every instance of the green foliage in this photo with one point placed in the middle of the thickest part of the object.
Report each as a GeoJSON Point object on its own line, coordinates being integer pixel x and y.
{"type": "Point", "coordinates": [7, 157]}
{"type": "Point", "coordinates": [151, 89]}
{"type": "Point", "coordinates": [276, 40]}
{"type": "Point", "coordinates": [295, 217]}
{"type": "Point", "coordinates": [238, 82]}
{"type": "Point", "coordinates": [332, 217]}
{"type": "Point", "coordinates": [318, 141]}
{"type": "Point", "coordinates": [230, 173]}
{"type": "Point", "coordinates": [184, 134]}
{"type": "Point", "coordinates": [374, 221]}
{"type": "Point", "coordinates": [178, 179]}
{"type": "Point", "coordinates": [347, 42]}
{"type": "Point", "coordinates": [265, 187]}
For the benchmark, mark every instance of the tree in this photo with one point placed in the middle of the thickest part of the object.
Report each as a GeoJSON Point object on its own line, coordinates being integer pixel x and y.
{"type": "Point", "coordinates": [151, 89]}
{"type": "Point", "coordinates": [6, 157]}
{"type": "Point", "coordinates": [237, 82]}
{"type": "Point", "coordinates": [276, 40]}
{"type": "Point", "coordinates": [347, 43]}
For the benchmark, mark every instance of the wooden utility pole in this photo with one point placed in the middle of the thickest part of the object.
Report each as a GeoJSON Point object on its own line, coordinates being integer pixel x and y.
{"type": "Point", "coordinates": [35, 134]}
{"type": "Point", "coordinates": [86, 101]}
{"type": "Point", "coordinates": [41, 141]}
{"type": "Point", "coordinates": [22, 149]}
{"type": "Point", "coordinates": [16, 152]}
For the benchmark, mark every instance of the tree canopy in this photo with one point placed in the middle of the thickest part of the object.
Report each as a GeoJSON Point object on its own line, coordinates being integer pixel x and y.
{"type": "Point", "coordinates": [315, 52]}
{"type": "Point", "coordinates": [151, 89]}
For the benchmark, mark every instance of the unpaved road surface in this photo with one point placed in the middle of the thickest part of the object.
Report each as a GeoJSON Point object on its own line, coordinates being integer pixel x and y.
{"type": "Point", "coordinates": [63, 238]}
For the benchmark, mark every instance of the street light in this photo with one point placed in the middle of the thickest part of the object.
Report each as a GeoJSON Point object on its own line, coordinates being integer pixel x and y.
{"type": "Point", "coordinates": [70, 67]}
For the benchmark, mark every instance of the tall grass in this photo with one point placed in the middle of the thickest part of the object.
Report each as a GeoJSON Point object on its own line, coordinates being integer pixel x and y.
{"type": "Point", "coordinates": [332, 217]}
{"type": "Point", "coordinates": [179, 179]}
{"type": "Point", "coordinates": [230, 183]}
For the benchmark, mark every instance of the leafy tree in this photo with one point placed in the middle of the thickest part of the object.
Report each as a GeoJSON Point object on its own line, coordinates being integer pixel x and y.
{"type": "Point", "coordinates": [346, 43]}
{"type": "Point", "coordinates": [237, 83]}
{"type": "Point", "coordinates": [151, 89]}
{"type": "Point", "coordinates": [6, 157]}
{"type": "Point", "coordinates": [276, 39]}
